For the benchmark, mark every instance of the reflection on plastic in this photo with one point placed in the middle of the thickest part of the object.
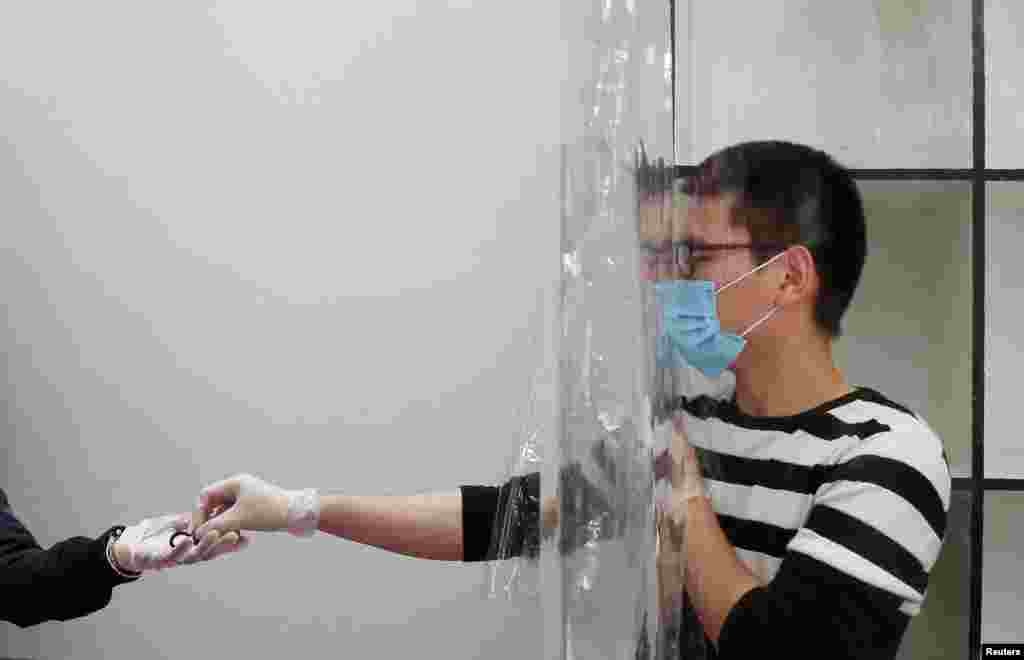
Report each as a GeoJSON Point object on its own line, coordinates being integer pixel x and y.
{"type": "Point", "coordinates": [605, 544]}
{"type": "Point", "coordinates": [577, 527]}
{"type": "Point", "coordinates": [607, 541]}
{"type": "Point", "coordinates": [606, 536]}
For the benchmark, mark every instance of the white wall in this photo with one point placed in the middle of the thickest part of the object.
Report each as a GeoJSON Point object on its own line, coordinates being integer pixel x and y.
{"type": "Point", "coordinates": [877, 84]}
{"type": "Point", "coordinates": [299, 239]}
{"type": "Point", "coordinates": [304, 240]}
{"type": "Point", "coordinates": [908, 332]}
{"type": "Point", "coordinates": [1004, 85]}
{"type": "Point", "coordinates": [1003, 584]}
{"type": "Point", "coordinates": [1004, 341]}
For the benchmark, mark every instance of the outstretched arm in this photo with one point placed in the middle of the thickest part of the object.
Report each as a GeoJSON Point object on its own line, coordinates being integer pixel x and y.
{"type": "Point", "coordinates": [450, 526]}
{"type": "Point", "coordinates": [428, 526]}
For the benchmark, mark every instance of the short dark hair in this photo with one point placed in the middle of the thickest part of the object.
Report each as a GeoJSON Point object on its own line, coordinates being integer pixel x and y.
{"type": "Point", "coordinates": [795, 195]}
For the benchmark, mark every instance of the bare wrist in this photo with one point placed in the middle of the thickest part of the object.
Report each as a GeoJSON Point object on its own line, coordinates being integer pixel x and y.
{"type": "Point", "coordinates": [119, 556]}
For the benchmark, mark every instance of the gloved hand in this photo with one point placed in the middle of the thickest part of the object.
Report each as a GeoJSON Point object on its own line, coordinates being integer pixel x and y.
{"type": "Point", "coordinates": [248, 502]}
{"type": "Point", "coordinates": [146, 546]}
{"type": "Point", "coordinates": [680, 466]}
{"type": "Point", "coordinates": [669, 563]}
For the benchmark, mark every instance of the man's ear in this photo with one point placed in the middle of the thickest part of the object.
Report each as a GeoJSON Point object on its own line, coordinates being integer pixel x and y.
{"type": "Point", "coordinates": [801, 278]}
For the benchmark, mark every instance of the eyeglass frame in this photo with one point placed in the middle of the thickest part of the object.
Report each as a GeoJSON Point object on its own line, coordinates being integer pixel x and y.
{"type": "Point", "coordinates": [680, 248]}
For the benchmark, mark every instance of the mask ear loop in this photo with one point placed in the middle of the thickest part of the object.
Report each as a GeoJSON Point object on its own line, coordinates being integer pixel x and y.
{"type": "Point", "coordinates": [771, 312]}
{"type": "Point", "coordinates": [743, 277]}
{"type": "Point", "coordinates": [761, 320]}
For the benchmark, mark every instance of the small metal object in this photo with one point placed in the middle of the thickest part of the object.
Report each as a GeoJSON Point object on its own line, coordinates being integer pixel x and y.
{"type": "Point", "coordinates": [198, 518]}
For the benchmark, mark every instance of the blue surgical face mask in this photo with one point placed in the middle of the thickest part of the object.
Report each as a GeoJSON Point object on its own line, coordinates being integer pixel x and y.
{"type": "Point", "coordinates": [690, 332]}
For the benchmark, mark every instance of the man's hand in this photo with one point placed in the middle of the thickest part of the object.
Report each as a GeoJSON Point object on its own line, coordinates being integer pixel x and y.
{"type": "Point", "coordinates": [669, 562]}
{"type": "Point", "coordinates": [246, 502]}
{"type": "Point", "coordinates": [147, 545]}
{"type": "Point", "coordinates": [680, 466]}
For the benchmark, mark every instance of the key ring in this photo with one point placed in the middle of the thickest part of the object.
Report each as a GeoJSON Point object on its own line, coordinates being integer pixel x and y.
{"type": "Point", "coordinates": [177, 534]}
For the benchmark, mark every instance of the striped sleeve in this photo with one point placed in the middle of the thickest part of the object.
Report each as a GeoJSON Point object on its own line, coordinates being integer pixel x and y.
{"type": "Point", "coordinates": [857, 569]}
{"type": "Point", "coordinates": [880, 515]}
{"type": "Point", "coordinates": [832, 614]}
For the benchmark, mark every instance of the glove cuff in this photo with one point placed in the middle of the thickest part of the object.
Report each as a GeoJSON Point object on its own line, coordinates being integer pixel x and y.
{"type": "Point", "coordinates": [112, 536]}
{"type": "Point", "coordinates": [303, 512]}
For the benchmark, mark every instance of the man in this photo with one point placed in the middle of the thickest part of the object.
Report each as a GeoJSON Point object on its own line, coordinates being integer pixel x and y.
{"type": "Point", "coordinates": [812, 510]}
{"type": "Point", "coordinates": [76, 577]}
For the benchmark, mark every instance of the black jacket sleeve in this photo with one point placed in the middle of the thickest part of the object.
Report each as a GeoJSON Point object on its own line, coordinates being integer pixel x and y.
{"type": "Point", "coordinates": [515, 505]}
{"type": "Point", "coordinates": [70, 580]}
{"type": "Point", "coordinates": [500, 522]}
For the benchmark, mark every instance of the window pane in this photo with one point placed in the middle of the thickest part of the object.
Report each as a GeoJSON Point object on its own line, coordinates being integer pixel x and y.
{"type": "Point", "coordinates": [941, 629]}
{"type": "Point", "coordinates": [1004, 333]}
{"type": "Point", "coordinates": [876, 84]}
{"type": "Point", "coordinates": [1004, 86]}
{"type": "Point", "coordinates": [908, 331]}
{"type": "Point", "coordinates": [1003, 581]}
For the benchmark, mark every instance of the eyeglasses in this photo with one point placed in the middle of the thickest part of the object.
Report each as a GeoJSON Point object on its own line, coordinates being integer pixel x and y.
{"type": "Point", "coordinates": [682, 258]}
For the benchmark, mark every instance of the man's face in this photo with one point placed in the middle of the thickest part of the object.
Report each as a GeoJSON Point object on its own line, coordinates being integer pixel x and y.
{"type": "Point", "coordinates": [709, 223]}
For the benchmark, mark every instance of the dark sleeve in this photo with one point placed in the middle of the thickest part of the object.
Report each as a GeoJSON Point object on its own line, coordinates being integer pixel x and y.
{"type": "Point", "coordinates": [832, 614]}
{"type": "Point", "coordinates": [515, 505]}
{"type": "Point", "coordinates": [67, 581]}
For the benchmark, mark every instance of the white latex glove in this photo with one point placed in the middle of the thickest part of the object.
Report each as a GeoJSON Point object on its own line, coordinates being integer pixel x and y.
{"type": "Point", "coordinates": [248, 502]}
{"type": "Point", "coordinates": [680, 466]}
{"type": "Point", "coordinates": [686, 478]}
{"type": "Point", "coordinates": [146, 546]}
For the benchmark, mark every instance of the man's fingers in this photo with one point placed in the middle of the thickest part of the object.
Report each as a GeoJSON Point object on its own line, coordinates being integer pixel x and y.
{"type": "Point", "coordinates": [219, 522]}
{"type": "Point", "coordinates": [223, 542]}
{"type": "Point", "coordinates": [198, 517]}
{"type": "Point", "coordinates": [213, 500]}
{"type": "Point", "coordinates": [230, 542]}
{"type": "Point", "coordinates": [198, 553]}
{"type": "Point", "coordinates": [222, 493]}
{"type": "Point", "coordinates": [226, 541]}
{"type": "Point", "coordinates": [181, 523]}
{"type": "Point", "coordinates": [242, 543]}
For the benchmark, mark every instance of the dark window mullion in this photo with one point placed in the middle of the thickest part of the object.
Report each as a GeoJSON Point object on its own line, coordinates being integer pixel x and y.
{"type": "Point", "coordinates": [978, 213]}
{"type": "Point", "coordinates": [672, 73]}
{"type": "Point", "coordinates": [1007, 485]}
{"type": "Point", "coordinates": [909, 174]}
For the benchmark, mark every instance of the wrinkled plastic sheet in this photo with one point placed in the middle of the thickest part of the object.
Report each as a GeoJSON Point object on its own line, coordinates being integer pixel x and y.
{"type": "Point", "coordinates": [577, 530]}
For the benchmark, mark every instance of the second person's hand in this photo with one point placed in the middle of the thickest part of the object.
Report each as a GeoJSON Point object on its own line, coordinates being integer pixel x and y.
{"type": "Point", "coordinates": [148, 545]}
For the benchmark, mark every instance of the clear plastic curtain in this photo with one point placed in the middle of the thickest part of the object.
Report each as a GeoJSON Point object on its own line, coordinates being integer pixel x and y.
{"type": "Point", "coordinates": [610, 599]}
{"type": "Point", "coordinates": [576, 527]}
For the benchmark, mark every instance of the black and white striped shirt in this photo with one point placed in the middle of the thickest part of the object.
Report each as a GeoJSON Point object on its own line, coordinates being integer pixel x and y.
{"type": "Point", "coordinates": [860, 484]}
{"type": "Point", "coordinates": [840, 510]}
